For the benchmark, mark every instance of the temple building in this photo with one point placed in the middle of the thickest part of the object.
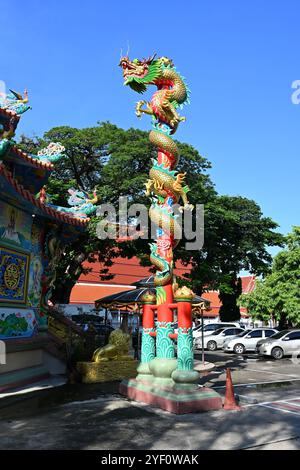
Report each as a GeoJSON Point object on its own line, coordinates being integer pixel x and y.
{"type": "Point", "coordinates": [33, 233]}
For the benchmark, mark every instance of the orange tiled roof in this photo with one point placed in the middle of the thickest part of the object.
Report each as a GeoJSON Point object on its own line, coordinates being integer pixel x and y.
{"type": "Point", "coordinates": [248, 284]}
{"type": "Point", "coordinates": [126, 271]}
{"type": "Point", "coordinates": [87, 294]}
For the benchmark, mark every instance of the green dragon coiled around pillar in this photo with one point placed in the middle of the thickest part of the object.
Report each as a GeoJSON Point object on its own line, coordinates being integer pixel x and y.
{"type": "Point", "coordinates": [165, 184]}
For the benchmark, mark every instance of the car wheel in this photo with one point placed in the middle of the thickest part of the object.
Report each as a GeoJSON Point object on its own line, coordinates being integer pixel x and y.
{"type": "Point", "coordinates": [277, 353]}
{"type": "Point", "coordinates": [211, 345]}
{"type": "Point", "coordinates": [239, 348]}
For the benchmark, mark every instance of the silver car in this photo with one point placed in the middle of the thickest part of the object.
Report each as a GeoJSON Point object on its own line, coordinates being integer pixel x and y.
{"type": "Point", "coordinates": [211, 328]}
{"type": "Point", "coordinates": [216, 339]}
{"type": "Point", "coordinates": [283, 343]}
{"type": "Point", "coordinates": [247, 340]}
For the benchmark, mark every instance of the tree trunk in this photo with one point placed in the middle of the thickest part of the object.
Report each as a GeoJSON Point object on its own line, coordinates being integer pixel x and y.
{"type": "Point", "coordinates": [229, 310]}
{"type": "Point", "coordinates": [283, 323]}
{"type": "Point", "coordinates": [62, 292]}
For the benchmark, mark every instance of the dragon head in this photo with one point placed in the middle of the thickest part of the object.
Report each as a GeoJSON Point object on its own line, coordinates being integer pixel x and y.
{"type": "Point", "coordinates": [140, 73]}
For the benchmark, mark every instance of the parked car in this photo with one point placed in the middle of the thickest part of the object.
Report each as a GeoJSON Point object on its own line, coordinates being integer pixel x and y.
{"type": "Point", "coordinates": [247, 340]}
{"type": "Point", "coordinates": [216, 339]}
{"type": "Point", "coordinates": [283, 343]}
{"type": "Point", "coordinates": [211, 327]}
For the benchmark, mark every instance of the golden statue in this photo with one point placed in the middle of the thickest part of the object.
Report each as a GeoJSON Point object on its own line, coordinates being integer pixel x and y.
{"type": "Point", "coordinates": [117, 348]}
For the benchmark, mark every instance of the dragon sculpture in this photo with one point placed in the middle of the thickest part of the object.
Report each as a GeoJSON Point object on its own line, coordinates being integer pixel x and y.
{"type": "Point", "coordinates": [14, 101]}
{"type": "Point", "coordinates": [51, 154]}
{"type": "Point", "coordinates": [81, 204]}
{"type": "Point", "coordinates": [165, 185]}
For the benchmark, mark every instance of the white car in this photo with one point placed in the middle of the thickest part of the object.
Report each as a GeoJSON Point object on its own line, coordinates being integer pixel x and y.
{"type": "Point", "coordinates": [211, 327]}
{"type": "Point", "coordinates": [247, 340]}
{"type": "Point", "coordinates": [216, 339]}
{"type": "Point", "coordinates": [283, 343]}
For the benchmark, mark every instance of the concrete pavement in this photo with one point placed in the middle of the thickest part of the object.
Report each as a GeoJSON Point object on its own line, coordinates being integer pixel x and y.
{"type": "Point", "coordinates": [115, 423]}
{"type": "Point", "coordinates": [97, 417]}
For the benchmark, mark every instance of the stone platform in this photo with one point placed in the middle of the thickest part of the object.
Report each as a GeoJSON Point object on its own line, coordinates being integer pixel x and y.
{"type": "Point", "coordinates": [93, 372]}
{"type": "Point", "coordinates": [174, 400]}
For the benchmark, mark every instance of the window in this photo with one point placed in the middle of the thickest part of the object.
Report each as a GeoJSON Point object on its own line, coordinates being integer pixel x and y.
{"type": "Point", "coordinates": [255, 334]}
{"type": "Point", "coordinates": [210, 327]}
{"type": "Point", "coordinates": [243, 333]}
{"type": "Point", "coordinates": [293, 336]}
{"type": "Point", "coordinates": [231, 331]}
{"type": "Point", "coordinates": [269, 333]}
{"type": "Point", "coordinates": [279, 334]}
{"type": "Point", "coordinates": [237, 331]}
{"type": "Point", "coordinates": [219, 331]}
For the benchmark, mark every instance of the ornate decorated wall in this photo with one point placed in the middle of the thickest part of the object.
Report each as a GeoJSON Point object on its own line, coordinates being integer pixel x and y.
{"type": "Point", "coordinates": [20, 272]}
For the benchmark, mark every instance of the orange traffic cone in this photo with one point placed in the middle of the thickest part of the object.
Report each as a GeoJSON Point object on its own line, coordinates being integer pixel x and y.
{"type": "Point", "coordinates": [229, 402]}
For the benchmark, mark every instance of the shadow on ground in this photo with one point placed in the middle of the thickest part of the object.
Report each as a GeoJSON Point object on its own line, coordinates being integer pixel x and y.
{"type": "Point", "coordinates": [115, 423]}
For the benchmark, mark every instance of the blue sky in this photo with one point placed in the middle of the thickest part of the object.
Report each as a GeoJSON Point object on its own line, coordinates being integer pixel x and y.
{"type": "Point", "coordinates": [239, 57]}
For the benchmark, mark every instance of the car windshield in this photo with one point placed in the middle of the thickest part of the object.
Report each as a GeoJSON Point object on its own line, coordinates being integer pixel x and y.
{"type": "Point", "coordinates": [243, 333]}
{"type": "Point", "coordinates": [217, 332]}
{"type": "Point", "coordinates": [197, 327]}
{"type": "Point", "coordinates": [280, 334]}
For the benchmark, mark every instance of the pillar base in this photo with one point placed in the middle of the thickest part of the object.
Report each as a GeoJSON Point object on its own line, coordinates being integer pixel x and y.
{"type": "Point", "coordinates": [172, 399]}
{"type": "Point", "coordinates": [185, 377]}
{"type": "Point", "coordinates": [144, 372]}
{"type": "Point", "coordinates": [162, 370]}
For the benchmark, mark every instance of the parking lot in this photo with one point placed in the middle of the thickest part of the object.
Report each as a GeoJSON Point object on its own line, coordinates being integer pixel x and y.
{"type": "Point", "coordinates": [248, 368]}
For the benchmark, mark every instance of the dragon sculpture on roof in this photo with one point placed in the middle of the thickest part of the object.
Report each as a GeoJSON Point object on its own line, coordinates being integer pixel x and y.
{"type": "Point", "coordinates": [14, 101]}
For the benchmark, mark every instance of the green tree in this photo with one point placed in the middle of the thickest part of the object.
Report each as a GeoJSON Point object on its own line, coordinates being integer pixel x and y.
{"type": "Point", "coordinates": [278, 295]}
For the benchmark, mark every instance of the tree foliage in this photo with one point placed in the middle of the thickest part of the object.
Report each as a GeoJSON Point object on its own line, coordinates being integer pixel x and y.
{"type": "Point", "coordinates": [278, 295]}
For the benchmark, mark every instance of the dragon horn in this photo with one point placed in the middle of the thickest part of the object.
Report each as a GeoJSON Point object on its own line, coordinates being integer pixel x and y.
{"type": "Point", "coordinates": [151, 58]}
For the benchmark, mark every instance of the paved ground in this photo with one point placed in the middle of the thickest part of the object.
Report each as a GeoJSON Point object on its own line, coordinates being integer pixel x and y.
{"type": "Point", "coordinates": [96, 417]}
{"type": "Point", "coordinates": [248, 369]}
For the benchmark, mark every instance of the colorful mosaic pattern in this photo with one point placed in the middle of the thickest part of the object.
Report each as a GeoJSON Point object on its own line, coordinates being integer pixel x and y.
{"type": "Point", "coordinates": [164, 344]}
{"type": "Point", "coordinates": [13, 276]}
{"type": "Point", "coordinates": [185, 355]}
{"type": "Point", "coordinates": [148, 345]}
{"type": "Point", "coordinates": [16, 323]}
